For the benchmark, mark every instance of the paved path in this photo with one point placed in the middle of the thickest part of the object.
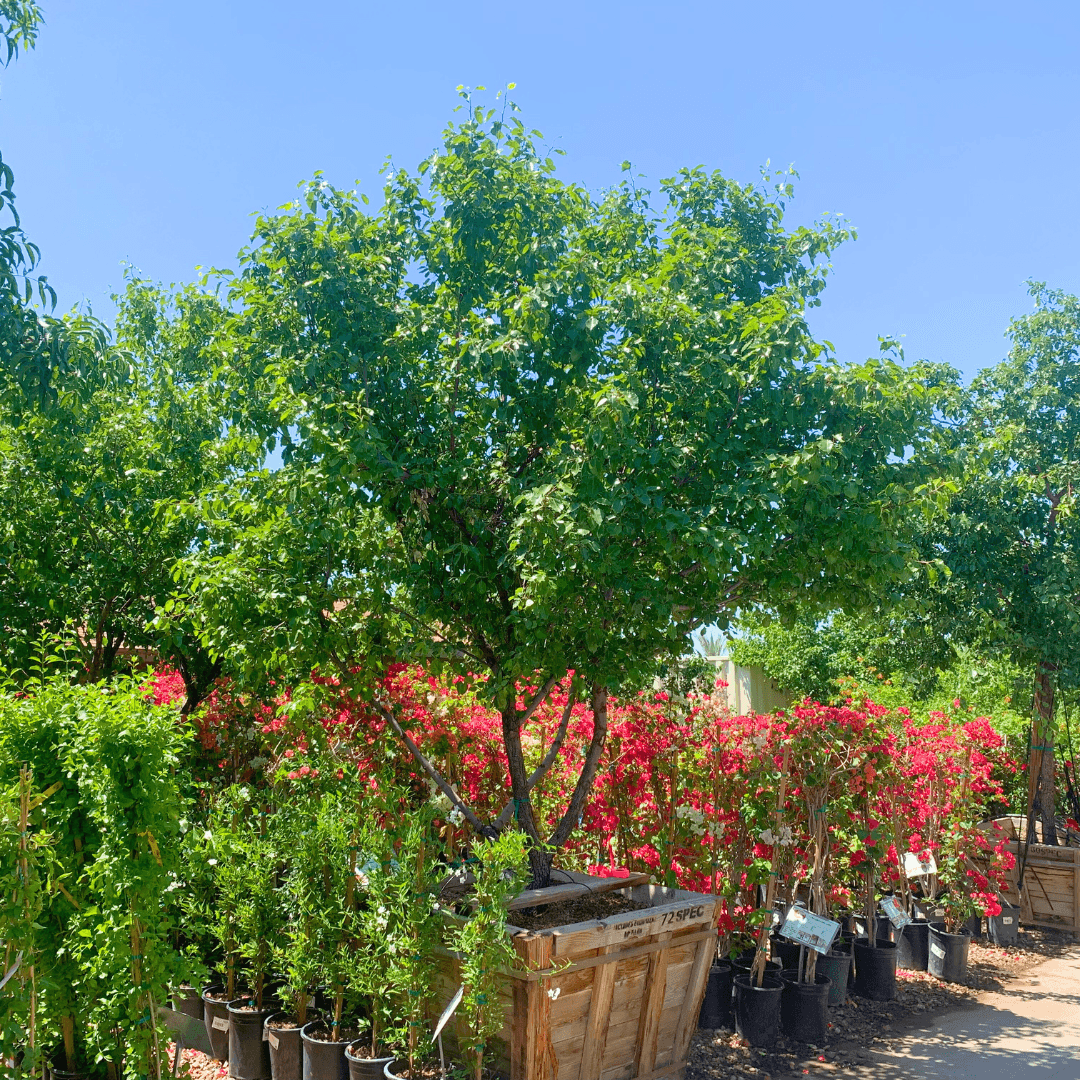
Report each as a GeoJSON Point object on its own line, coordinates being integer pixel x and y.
{"type": "Point", "coordinates": [1031, 1028]}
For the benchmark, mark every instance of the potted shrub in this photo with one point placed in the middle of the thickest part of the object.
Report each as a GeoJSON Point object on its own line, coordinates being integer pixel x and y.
{"type": "Point", "coordinates": [482, 945]}
{"type": "Point", "coordinates": [298, 954]}
{"type": "Point", "coordinates": [257, 924]}
{"type": "Point", "coordinates": [401, 908]}
{"type": "Point", "coordinates": [104, 953]}
{"type": "Point", "coordinates": [26, 860]}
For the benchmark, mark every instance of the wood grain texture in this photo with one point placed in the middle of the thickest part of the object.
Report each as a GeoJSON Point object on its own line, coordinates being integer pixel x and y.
{"type": "Point", "coordinates": [651, 1007]}
{"type": "Point", "coordinates": [603, 990]}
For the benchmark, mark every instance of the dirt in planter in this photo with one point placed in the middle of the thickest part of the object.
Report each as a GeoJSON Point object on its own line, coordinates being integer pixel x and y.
{"type": "Point", "coordinates": [284, 1022]}
{"type": "Point", "coordinates": [579, 909]}
{"type": "Point", "coordinates": [427, 1070]}
{"type": "Point", "coordinates": [224, 996]}
{"type": "Point", "coordinates": [324, 1035]}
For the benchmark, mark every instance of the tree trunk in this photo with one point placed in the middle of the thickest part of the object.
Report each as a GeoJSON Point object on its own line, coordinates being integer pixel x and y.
{"type": "Point", "coordinates": [1041, 765]}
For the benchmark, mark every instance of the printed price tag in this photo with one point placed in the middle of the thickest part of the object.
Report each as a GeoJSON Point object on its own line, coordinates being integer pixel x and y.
{"type": "Point", "coordinates": [272, 1039]}
{"type": "Point", "coordinates": [1007, 920]}
{"type": "Point", "coordinates": [813, 931]}
{"type": "Point", "coordinates": [220, 1023]}
{"type": "Point", "coordinates": [913, 865]}
{"type": "Point", "coordinates": [937, 950]}
{"type": "Point", "coordinates": [897, 916]}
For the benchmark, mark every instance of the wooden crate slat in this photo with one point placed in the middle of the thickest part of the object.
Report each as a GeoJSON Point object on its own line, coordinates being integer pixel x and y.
{"type": "Point", "coordinates": [599, 1014]}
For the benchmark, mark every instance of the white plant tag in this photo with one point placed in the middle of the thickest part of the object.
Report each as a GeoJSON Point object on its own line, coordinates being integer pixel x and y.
{"type": "Point", "coordinates": [266, 1034]}
{"type": "Point", "coordinates": [808, 929]}
{"type": "Point", "coordinates": [897, 916]}
{"type": "Point", "coordinates": [914, 866]}
{"type": "Point", "coordinates": [272, 1039]}
{"type": "Point", "coordinates": [1007, 921]}
{"type": "Point", "coordinates": [220, 1023]}
{"type": "Point", "coordinates": [937, 950]}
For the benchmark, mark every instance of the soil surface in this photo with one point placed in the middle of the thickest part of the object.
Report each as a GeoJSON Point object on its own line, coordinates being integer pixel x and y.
{"type": "Point", "coordinates": [579, 909]}
{"type": "Point", "coordinates": [426, 1071]}
{"type": "Point", "coordinates": [284, 1022]}
{"type": "Point", "coordinates": [859, 1026]}
{"type": "Point", "coordinates": [324, 1035]}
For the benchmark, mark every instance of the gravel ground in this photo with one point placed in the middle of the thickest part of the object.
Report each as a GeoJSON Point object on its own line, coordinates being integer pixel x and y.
{"type": "Point", "coordinates": [859, 1024]}
{"type": "Point", "coordinates": [854, 1027]}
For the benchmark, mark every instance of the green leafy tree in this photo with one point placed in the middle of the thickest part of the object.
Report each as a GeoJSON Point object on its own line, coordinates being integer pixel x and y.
{"type": "Point", "coordinates": [527, 430]}
{"type": "Point", "coordinates": [89, 536]}
{"type": "Point", "coordinates": [1011, 534]}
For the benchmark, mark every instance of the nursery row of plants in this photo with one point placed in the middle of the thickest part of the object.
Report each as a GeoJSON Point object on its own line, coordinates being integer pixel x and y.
{"type": "Point", "coordinates": [294, 862]}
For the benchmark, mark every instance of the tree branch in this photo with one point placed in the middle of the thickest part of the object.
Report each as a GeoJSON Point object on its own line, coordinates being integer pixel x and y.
{"type": "Point", "coordinates": [433, 773]}
{"type": "Point", "coordinates": [588, 771]}
{"type": "Point", "coordinates": [544, 767]}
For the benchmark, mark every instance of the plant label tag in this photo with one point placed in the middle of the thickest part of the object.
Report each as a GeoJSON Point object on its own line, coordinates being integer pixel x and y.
{"type": "Point", "coordinates": [266, 1034]}
{"type": "Point", "coordinates": [813, 931]}
{"type": "Point", "coordinates": [914, 866]}
{"type": "Point", "coordinates": [220, 1023]}
{"type": "Point", "coordinates": [897, 916]}
{"type": "Point", "coordinates": [272, 1039]}
{"type": "Point", "coordinates": [937, 950]}
{"type": "Point", "coordinates": [1007, 921]}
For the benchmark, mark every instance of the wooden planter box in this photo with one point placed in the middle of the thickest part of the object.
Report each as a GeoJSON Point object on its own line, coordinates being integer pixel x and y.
{"type": "Point", "coordinates": [611, 999]}
{"type": "Point", "coordinates": [1051, 894]}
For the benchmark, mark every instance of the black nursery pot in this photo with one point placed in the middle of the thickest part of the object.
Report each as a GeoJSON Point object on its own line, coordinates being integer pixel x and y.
{"type": "Point", "coordinates": [785, 953]}
{"type": "Point", "coordinates": [361, 1068]}
{"type": "Point", "coordinates": [716, 1005]}
{"type": "Point", "coordinates": [804, 1007]}
{"type": "Point", "coordinates": [875, 970]}
{"type": "Point", "coordinates": [286, 1051]}
{"type": "Point", "coordinates": [743, 967]}
{"type": "Point", "coordinates": [216, 1019]}
{"type": "Point", "coordinates": [188, 1000]}
{"type": "Point", "coordinates": [836, 965]}
{"type": "Point", "coordinates": [913, 946]}
{"type": "Point", "coordinates": [1003, 929]}
{"type": "Point", "coordinates": [323, 1060]}
{"type": "Point", "coordinates": [948, 955]}
{"type": "Point", "coordinates": [249, 1046]}
{"type": "Point", "coordinates": [757, 1009]}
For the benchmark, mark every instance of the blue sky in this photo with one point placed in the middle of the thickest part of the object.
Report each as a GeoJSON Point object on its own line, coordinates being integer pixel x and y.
{"type": "Point", "coordinates": [947, 133]}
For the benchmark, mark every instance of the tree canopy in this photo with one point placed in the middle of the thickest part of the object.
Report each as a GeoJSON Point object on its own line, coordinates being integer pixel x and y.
{"type": "Point", "coordinates": [526, 429]}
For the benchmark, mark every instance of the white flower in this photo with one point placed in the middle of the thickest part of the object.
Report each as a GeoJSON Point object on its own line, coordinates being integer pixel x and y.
{"type": "Point", "coordinates": [455, 817]}
{"type": "Point", "coordinates": [208, 835]}
{"type": "Point", "coordinates": [554, 992]}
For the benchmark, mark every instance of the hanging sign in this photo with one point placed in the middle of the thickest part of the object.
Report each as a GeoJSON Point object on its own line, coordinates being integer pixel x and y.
{"type": "Point", "coordinates": [897, 916]}
{"type": "Point", "coordinates": [914, 866]}
{"type": "Point", "coordinates": [813, 931]}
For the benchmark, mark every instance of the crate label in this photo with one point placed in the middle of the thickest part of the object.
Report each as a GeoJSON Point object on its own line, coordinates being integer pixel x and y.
{"type": "Point", "coordinates": [271, 1038]}
{"type": "Point", "coordinates": [667, 919]}
{"type": "Point", "coordinates": [813, 931]}
{"type": "Point", "coordinates": [1007, 921]}
{"type": "Point", "coordinates": [897, 916]}
{"type": "Point", "coordinates": [220, 1024]}
{"type": "Point", "coordinates": [937, 950]}
{"type": "Point", "coordinates": [914, 866]}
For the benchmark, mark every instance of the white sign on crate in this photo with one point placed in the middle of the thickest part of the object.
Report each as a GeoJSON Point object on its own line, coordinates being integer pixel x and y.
{"type": "Point", "coordinates": [897, 916]}
{"type": "Point", "coordinates": [813, 931]}
{"type": "Point", "coordinates": [914, 866]}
